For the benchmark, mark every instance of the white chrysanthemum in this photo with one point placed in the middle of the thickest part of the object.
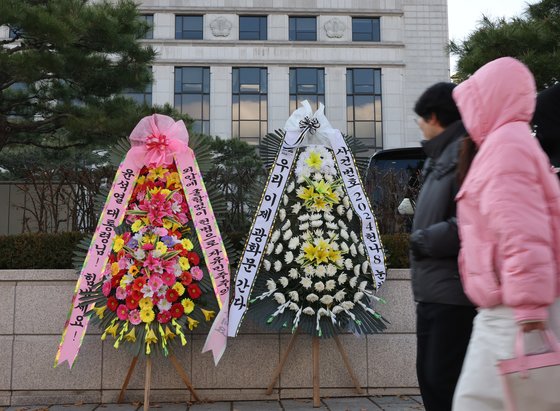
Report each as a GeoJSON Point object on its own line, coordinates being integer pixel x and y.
{"type": "Point", "coordinates": [318, 232]}
{"type": "Point", "coordinates": [282, 214]}
{"type": "Point", "coordinates": [300, 179]}
{"type": "Point", "coordinates": [361, 249]}
{"type": "Point", "coordinates": [271, 285]}
{"type": "Point", "coordinates": [339, 296]}
{"type": "Point", "coordinates": [309, 270]}
{"type": "Point", "coordinates": [344, 247]}
{"type": "Point", "coordinates": [340, 209]}
{"type": "Point", "coordinates": [328, 177]}
{"type": "Point", "coordinates": [314, 217]}
{"type": "Point", "coordinates": [348, 264]}
{"type": "Point", "coordinates": [342, 225]}
{"type": "Point", "coordinates": [283, 281]}
{"type": "Point", "coordinates": [316, 223]}
{"type": "Point", "coordinates": [266, 265]}
{"type": "Point", "coordinates": [330, 284]}
{"type": "Point", "coordinates": [296, 208]}
{"type": "Point", "coordinates": [334, 244]}
{"type": "Point", "coordinates": [293, 243]}
{"type": "Point", "coordinates": [306, 236]}
{"type": "Point", "coordinates": [288, 257]}
{"type": "Point", "coordinates": [353, 250]}
{"type": "Point", "coordinates": [349, 214]}
{"type": "Point", "coordinates": [287, 235]}
{"type": "Point", "coordinates": [327, 299]}
{"type": "Point", "coordinates": [353, 281]}
{"type": "Point", "coordinates": [347, 305]}
{"type": "Point", "coordinates": [358, 296]}
{"type": "Point", "coordinates": [342, 278]}
{"type": "Point", "coordinates": [363, 285]}
{"type": "Point", "coordinates": [365, 266]}
{"type": "Point", "coordinates": [308, 311]}
{"type": "Point", "coordinates": [331, 270]}
{"type": "Point", "coordinates": [269, 248]}
{"type": "Point", "coordinates": [285, 200]}
{"type": "Point", "coordinates": [328, 217]}
{"type": "Point", "coordinates": [344, 234]}
{"type": "Point", "coordinates": [357, 269]}
{"type": "Point", "coordinates": [275, 236]}
{"type": "Point", "coordinates": [337, 309]}
{"type": "Point", "coordinates": [312, 298]}
{"type": "Point", "coordinates": [279, 248]}
{"type": "Point", "coordinates": [320, 271]}
{"type": "Point", "coordinates": [277, 266]}
{"type": "Point", "coordinates": [319, 286]}
{"type": "Point", "coordinates": [317, 177]}
{"type": "Point", "coordinates": [303, 217]}
{"type": "Point", "coordinates": [293, 295]}
{"type": "Point", "coordinates": [290, 187]}
{"type": "Point", "coordinates": [304, 227]}
{"type": "Point", "coordinates": [306, 283]}
{"type": "Point", "coordinates": [293, 306]}
{"type": "Point", "coordinates": [279, 297]}
{"type": "Point", "coordinates": [354, 237]}
{"type": "Point", "coordinates": [293, 274]}
{"type": "Point", "coordinates": [286, 226]}
{"type": "Point", "coordinates": [331, 226]}
{"type": "Point", "coordinates": [346, 202]}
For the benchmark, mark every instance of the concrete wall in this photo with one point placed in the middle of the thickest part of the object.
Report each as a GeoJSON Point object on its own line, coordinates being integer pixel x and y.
{"type": "Point", "coordinates": [34, 305]}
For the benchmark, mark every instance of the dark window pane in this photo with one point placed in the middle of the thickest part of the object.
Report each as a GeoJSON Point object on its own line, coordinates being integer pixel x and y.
{"type": "Point", "coordinates": [303, 29]}
{"type": "Point", "coordinates": [363, 81]}
{"type": "Point", "coordinates": [252, 28]}
{"type": "Point", "coordinates": [364, 105]}
{"type": "Point", "coordinates": [363, 108]}
{"type": "Point", "coordinates": [206, 80]}
{"type": "Point", "coordinates": [264, 85]}
{"type": "Point", "coordinates": [189, 27]}
{"type": "Point", "coordinates": [377, 108]}
{"type": "Point", "coordinates": [249, 104]}
{"type": "Point", "coordinates": [235, 80]}
{"type": "Point", "coordinates": [190, 95]}
{"type": "Point", "coordinates": [365, 29]}
{"type": "Point", "coordinates": [377, 81]}
{"type": "Point", "coordinates": [350, 108]}
{"type": "Point", "coordinates": [149, 19]}
{"type": "Point", "coordinates": [235, 107]}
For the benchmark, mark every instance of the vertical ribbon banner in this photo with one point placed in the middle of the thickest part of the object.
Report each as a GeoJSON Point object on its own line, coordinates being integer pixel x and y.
{"type": "Point", "coordinates": [157, 140]}
{"type": "Point", "coordinates": [302, 128]}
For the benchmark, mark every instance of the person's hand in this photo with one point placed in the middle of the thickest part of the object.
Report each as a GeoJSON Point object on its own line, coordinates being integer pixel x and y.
{"type": "Point", "coordinates": [533, 326]}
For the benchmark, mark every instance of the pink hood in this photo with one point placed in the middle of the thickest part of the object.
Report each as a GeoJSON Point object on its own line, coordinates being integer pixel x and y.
{"type": "Point", "coordinates": [488, 100]}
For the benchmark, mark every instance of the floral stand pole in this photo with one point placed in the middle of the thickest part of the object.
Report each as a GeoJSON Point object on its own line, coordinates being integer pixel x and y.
{"type": "Point", "coordinates": [313, 261]}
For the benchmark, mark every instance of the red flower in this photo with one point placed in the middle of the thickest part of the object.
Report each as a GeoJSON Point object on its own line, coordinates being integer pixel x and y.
{"type": "Point", "coordinates": [116, 280]}
{"type": "Point", "coordinates": [186, 278]}
{"type": "Point", "coordinates": [122, 312]}
{"type": "Point", "coordinates": [194, 291]}
{"type": "Point", "coordinates": [177, 310]}
{"type": "Point", "coordinates": [112, 303]}
{"type": "Point", "coordinates": [139, 283]}
{"type": "Point", "coordinates": [164, 317]}
{"type": "Point", "coordinates": [168, 279]}
{"type": "Point", "coordinates": [193, 257]}
{"type": "Point", "coordinates": [132, 302]}
{"type": "Point", "coordinates": [171, 295]}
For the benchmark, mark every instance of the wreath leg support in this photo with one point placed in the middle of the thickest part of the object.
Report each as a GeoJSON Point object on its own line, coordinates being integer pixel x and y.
{"type": "Point", "coordinates": [127, 379]}
{"type": "Point", "coordinates": [280, 365]}
{"type": "Point", "coordinates": [346, 361]}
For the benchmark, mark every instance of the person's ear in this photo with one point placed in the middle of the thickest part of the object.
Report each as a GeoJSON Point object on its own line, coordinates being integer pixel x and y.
{"type": "Point", "coordinates": [433, 120]}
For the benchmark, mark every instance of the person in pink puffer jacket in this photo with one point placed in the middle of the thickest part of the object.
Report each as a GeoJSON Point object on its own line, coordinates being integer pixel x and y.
{"type": "Point", "coordinates": [508, 213]}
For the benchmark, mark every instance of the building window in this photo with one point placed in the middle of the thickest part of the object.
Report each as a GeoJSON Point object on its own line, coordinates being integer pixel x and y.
{"type": "Point", "coordinates": [188, 27]}
{"type": "Point", "coordinates": [303, 28]}
{"type": "Point", "coordinates": [249, 108]}
{"type": "Point", "coordinates": [252, 28]}
{"type": "Point", "coordinates": [307, 84]}
{"type": "Point", "coordinates": [365, 29]}
{"type": "Point", "coordinates": [149, 19]}
{"type": "Point", "coordinates": [192, 95]}
{"type": "Point", "coordinates": [140, 97]}
{"type": "Point", "coordinates": [363, 102]}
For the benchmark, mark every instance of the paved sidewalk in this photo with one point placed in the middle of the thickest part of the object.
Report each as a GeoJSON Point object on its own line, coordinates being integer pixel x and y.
{"type": "Point", "coordinates": [372, 403]}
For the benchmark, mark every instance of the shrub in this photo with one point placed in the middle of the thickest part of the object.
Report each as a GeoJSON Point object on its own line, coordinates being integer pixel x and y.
{"type": "Point", "coordinates": [396, 248]}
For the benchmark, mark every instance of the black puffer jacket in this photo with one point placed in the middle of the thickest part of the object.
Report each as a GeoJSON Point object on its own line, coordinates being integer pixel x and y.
{"type": "Point", "coordinates": [434, 241]}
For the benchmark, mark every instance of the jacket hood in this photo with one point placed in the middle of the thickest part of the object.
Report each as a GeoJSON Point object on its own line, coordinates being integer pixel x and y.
{"type": "Point", "coordinates": [500, 92]}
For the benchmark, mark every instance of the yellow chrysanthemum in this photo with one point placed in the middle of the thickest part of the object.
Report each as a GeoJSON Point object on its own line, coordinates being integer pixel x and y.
{"type": "Point", "coordinates": [188, 305]}
{"type": "Point", "coordinates": [147, 315]}
{"type": "Point", "coordinates": [161, 247]}
{"type": "Point", "coordinates": [187, 244]}
{"type": "Point", "coordinates": [314, 160]}
{"type": "Point", "coordinates": [192, 323]}
{"type": "Point", "coordinates": [180, 288]}
{"type": "Point", "coordinates": [118, 244]}
{"type": "Point", "coordinates": [184, 263]}
{"type": "Point", "coordinates": [115, 268]}
{"type": "Point", "coordinates": [133, 270]}
{"type": "Point", "coordinates": [146, 303]}
{"type": "Point", "coordinates": [137, 225]}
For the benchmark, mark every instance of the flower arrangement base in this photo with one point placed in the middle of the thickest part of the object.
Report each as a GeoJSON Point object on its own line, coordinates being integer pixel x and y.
{"type": "Point", "coordinates": [148, 378]}
{"type": "Point", "coordinates": [316, 369]}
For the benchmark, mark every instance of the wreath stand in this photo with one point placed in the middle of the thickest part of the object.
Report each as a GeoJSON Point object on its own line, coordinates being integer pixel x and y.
{"type": "Point", "coordinates": [148, 379]}
{"type": "Point", "coordinates": [315, 351]}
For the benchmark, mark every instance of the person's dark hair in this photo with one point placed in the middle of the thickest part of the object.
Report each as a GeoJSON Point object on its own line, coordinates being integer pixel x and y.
{"type": "Point", "coordinates": [466, 156]}
{"type": "Point", "coordinates": [546, 121]}
{"type": "Point", "coordinates": [438, 100]}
